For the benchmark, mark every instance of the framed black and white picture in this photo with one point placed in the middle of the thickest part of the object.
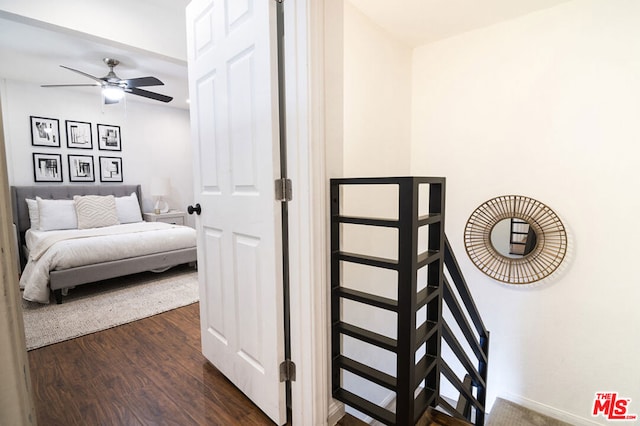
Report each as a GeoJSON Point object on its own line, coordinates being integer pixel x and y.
{"type": "Point", "coordinates": [110, 169]}
{"type": "Point", "coordinates": [81, 168]}
{"type": "Point", "coordinates": [45, 131]}
{"type": "Point", "coordinates": [47, 167]}
{"type": "Point", "coordinates": [79, 135]}
{"type": "Point", "coordinates": [109, 138]}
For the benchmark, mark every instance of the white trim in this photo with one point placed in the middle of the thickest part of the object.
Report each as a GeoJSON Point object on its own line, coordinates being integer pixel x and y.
{"type": "Point", "coordinates": [307, 242]}
{"type": "Point", "coordinates": [547, 410]}
{"type": "Point", "coordinates": [389, 403]}
{"type": "Point", "coordinates": [326, 68]}
{"type": "Point", "coordinates": [336, 412]}
{"type": "Point", "coordinates": [316, 42]}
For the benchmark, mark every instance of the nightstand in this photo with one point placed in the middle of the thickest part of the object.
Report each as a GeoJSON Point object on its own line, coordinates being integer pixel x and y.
{"type": "Point", "coordinates": [174, 217]}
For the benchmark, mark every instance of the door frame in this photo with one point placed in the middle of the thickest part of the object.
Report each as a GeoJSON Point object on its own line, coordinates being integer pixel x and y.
{"type": "Point", "coordinates": [16, 402]}
{"type": "Point", "coordinates": [304, 109]}
{"type": "Point", "coordinates": [314, 149]}
{"type": "Point", "coordinates": [308, 220]}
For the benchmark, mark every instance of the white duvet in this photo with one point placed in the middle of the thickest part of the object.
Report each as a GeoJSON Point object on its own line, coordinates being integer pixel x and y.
{"type": "Point", "coordinates": [57, 250]}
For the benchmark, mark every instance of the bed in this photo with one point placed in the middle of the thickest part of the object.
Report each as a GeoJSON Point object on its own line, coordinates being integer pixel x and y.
{"type": "Point", "coordinates": [148, 246]}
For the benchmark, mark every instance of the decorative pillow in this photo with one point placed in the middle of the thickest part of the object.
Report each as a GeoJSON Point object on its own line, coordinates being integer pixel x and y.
{"type": "Point", "coordinates": [96, 211]}
{"type": "Point", "coordinates": [128, 209]}
{"type": "Point", "coordinates": [56, 214]}
{"type": "Point", "coordinates": [34, 215]}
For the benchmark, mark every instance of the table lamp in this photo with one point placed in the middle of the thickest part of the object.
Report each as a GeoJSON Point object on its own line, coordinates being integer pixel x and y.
{"type": "Point", "coordinates": [160, 188]}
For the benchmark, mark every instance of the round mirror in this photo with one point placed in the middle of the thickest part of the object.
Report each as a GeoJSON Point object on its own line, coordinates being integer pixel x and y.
{"type": "Point", "coordinates": [515, 239]}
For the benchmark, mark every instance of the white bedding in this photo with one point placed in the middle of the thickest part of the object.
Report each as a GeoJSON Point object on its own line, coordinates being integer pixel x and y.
{"type": "Point", "coordinates": [57, 250]}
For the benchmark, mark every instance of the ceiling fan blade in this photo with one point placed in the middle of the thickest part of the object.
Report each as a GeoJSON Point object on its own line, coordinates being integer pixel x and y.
{"type": "Point", "coordinates": [143, 81]}
{"type": "Point", "coordinates": [70, 85]}
{"type": "Point", "coordinates": [148, 94]}
{"type": "Point", "coordinates": [85, 74]}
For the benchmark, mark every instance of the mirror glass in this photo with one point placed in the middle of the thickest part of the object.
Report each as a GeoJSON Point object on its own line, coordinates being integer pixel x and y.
{"type": "Point", "coordinates": [513, 238]}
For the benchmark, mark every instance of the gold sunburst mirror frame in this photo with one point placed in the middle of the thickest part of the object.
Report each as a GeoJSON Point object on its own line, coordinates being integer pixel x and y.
{"type": "Point", "coordinates": [545, 232]}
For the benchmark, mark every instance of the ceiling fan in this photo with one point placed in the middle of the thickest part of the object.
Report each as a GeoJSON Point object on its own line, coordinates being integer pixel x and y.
{"type": "Point", "coordinates": [114, 87]}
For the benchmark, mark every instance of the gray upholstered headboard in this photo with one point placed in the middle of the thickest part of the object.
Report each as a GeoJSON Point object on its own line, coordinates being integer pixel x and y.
{"type": "Point", "coordinates": [20, 193]}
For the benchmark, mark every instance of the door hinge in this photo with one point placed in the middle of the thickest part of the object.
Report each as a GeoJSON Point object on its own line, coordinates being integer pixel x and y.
{"type": "Point", "coordinates": [284, 191]}
{"type": "Point", "coordinates": [287, 371]}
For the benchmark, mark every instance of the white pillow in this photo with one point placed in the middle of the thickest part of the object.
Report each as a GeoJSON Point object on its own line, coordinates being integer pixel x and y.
{"type": "Point", "coordinates": [95, 211]}
{"type": "Point", "coordinates": [128, 209]}
{"type": "Point", "coordinates": [34, 215]}
{"type": "Point", "coordinates": [56, 214]}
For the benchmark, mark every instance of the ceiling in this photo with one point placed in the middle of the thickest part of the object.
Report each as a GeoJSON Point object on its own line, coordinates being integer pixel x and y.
{"type": "Point", "coordinates": [34, 53]}
{"type": "Point", "coordinates": [418, 22]}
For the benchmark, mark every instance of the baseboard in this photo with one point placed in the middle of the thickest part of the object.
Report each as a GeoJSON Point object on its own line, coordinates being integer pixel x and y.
{"type": "Point", "coordinates": [388, 403]}
{"type": "Point", "coordinates": [336, 412]}
{"type": "Point", "coordinates": [549, 411]}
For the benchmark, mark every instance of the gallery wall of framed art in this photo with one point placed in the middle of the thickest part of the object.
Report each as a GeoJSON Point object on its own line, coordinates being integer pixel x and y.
{"type": "Point", "coordinates": [80, 162]}
{"type": "Point", "coordinates": [154, 140]}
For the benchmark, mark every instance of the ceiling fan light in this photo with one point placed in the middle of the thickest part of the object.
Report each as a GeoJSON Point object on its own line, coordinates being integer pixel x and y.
{"type": "Point", "coordinates": [113, 93]}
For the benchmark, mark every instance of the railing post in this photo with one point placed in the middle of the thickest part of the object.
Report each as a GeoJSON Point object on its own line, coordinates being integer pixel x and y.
{"type": "Point", "coordinates": [407, 288]}
{"type": "Point", "coordinates": [335, 278]}
{"type": "Point", "coordinates": [483, 368]}
{"type": "Point", "coordinates": [411, 374]}
{"type": "Point", "coordinates": [435, 277]}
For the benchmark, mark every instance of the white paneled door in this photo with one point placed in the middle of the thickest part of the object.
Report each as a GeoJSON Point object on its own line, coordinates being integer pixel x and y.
{"type": "Point", "coordinates": [234, 119]}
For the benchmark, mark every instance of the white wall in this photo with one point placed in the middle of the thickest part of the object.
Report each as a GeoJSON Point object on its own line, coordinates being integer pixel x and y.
{"type": "Point", "coordinates": [155, 139]}
{"type": "Point", "coordinates": [546, 106]}
{"type": "Point", "coordinates": [377, 99]}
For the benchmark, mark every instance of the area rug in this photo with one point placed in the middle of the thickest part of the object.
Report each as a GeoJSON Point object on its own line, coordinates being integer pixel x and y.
{"type": "Point", "coordinates": [99, 306]}
{"type": "Point", "coordinates": [507, 413]}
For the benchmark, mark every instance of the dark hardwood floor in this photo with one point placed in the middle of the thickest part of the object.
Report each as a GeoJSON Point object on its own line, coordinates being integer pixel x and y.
{"type": "Point", "coordinates": [148, 372]}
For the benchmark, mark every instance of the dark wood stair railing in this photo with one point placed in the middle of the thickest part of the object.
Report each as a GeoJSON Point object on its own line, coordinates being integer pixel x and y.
{"type": "Point", "coordinates": [470, 406]}
{"type": "Point", "coordinates": [416, 383]}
